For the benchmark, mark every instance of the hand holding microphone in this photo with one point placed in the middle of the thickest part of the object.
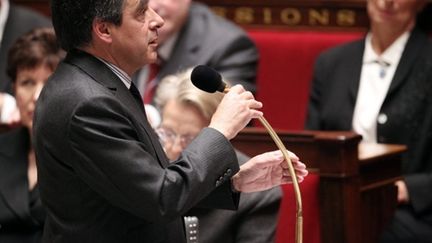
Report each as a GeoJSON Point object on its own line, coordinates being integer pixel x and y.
{"type": "Point", "coordinates": [237, 107]}
{"type": "Point", "coordinates": [235, 111]}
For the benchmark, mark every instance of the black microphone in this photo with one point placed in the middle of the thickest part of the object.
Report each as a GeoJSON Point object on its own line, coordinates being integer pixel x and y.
{"type": "Point", "coordinates": [207, 79]}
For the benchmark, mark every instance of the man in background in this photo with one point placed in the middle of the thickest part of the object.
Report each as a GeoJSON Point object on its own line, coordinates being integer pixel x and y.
{"type": "Point", "coordinates": [193, 35]}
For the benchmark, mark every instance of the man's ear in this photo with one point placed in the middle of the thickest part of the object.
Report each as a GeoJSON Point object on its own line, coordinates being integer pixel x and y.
{"type": "Point", "coordinates": [101, 30]}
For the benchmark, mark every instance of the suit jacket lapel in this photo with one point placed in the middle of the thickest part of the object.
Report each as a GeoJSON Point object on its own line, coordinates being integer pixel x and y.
{"type": "Point", "coordinates": [14, 147]}
{"type": "Point", "coordinates": [415, 43]}
{"type": "Point", "coordinates": [353, 68]}
{"type": "Point", "coordinates": [103, 75]}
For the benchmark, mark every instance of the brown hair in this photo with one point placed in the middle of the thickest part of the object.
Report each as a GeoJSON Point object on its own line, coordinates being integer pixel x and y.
{"type": "Point", "coordinates": [37, 47]}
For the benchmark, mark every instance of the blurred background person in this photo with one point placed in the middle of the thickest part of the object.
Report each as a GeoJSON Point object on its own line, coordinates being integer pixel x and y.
{"type": "Point", "coordinates": [380, 88]}
{"type": "Point", "coordinates": [191, 35]}
{"type": "Point", "coordinates": [14, 22]}
{"type": "Point", "coordinates": [31, 61]}
{"type": "Point", "coordinates": [186, 110]}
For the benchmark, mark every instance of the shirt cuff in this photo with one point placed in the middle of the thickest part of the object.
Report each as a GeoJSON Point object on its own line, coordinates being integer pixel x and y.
{"type": "Point", "coordinates": [9, 106]}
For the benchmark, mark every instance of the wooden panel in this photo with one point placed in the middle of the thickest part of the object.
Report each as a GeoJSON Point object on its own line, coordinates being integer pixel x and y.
{"type": "Point", "coordinates": [344, 15]}
{"type": "Point", "coordinates": [294, 14]}
{"type": "Point", "coordinates": [357, 192]}
{"type": "Point", "coordinates": [42, 6]}
{"type": "Point", "coordinates": [304, 14]}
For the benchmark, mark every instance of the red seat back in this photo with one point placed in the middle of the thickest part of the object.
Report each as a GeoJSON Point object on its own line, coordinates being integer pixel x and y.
{"type": "Point", "coordinates": [285, 71]}
{"type": "Point", "coordinates": [284, 75]}
{"type": "Point", "coordinates": [285, 232]}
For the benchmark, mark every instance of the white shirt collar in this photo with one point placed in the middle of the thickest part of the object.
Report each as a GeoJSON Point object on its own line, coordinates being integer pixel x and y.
{"type": "Point", "coordinates": [375, 79]}
{"type": "Point", "coordinates": [123, 76]}
{"type": "Point", "coordinates": [390, 55]}
{"type": "Point", "coordinates": [4, 13]}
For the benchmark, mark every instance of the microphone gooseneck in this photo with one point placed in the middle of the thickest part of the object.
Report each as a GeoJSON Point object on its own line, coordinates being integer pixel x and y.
{"type": "Point", "coordinates": [207, 79]}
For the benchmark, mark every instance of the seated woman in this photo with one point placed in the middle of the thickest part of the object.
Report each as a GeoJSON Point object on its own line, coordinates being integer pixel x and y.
{"type": "Point", "coordinates": [185, 111]}
{"type": "Point", "coordinates": [31, 61]}
{"type": "Point", "coordinates": [380, 87]}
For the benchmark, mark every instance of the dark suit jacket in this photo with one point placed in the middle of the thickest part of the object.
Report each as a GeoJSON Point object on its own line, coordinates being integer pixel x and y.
{"type": "Point", "coordinates": [103, 174]}
{"type": "Point", "coordinates": [20, 21]}
{"type": "Point", "coordinates": [21, 212]}
{"type": "Point", "coordinates": [407, 107]}
{"type": "Point", "coordinates": [255, 221]}
{"type": "Point", "coordinates": [207, 39]}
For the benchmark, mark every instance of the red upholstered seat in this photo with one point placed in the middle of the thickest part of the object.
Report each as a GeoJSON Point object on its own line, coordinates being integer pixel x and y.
{"type": "Point", "coordinates": [284, 75]}
{"type": "Point", "coordinates": [285, 71]}
{"type": "Point", "coordinates": [285, 232]}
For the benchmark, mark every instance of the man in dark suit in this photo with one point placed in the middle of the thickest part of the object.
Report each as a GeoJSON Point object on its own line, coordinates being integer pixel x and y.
{"type": "Point", "coordinates": [103, 175]}
{"type": "Point", "coordinates": [194, 35]}
{"type": "Point", "coordinates": [380, 87]}
{"type": "Point", "coordinates": [14, 22]}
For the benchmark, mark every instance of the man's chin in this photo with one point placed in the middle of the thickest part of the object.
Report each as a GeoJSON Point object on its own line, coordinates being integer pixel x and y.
{"type": "Point", "coordinates": [153, 57]}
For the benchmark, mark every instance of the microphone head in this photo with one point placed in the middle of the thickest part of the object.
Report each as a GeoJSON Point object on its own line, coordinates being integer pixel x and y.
{"type": "Point", "coordinates": [207, 79]}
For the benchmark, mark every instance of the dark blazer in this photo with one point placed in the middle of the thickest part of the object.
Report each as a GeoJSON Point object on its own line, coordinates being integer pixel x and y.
{"type": "Point", "coordinates": [255, 220]}
{"type": "Point", "coordinates": [103, 175]}
{"type": "Point", "coordinates": [21, 212]}
{"type": "Point", "coordinates": [207, 39]}
{"type": "Point", "coordinates": [407, 107]}
{"type": "Point", "coordinates": [19, 22]}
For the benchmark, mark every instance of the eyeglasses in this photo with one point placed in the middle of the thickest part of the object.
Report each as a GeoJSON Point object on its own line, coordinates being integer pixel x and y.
{"type": "Point", "coordinates": [168, 137]}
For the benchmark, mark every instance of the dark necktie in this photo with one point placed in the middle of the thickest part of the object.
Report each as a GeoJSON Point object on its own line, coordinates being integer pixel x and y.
{"type": "Point", "coordinates": [137, 96]}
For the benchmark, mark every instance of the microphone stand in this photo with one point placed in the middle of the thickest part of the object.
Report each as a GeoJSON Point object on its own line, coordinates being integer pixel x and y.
{"type": "Point", "coordinates": [281, 147]}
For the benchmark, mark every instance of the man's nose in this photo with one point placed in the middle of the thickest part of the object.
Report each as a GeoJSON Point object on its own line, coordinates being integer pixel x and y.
{"type": "Point", "coordinates": [156, 21]}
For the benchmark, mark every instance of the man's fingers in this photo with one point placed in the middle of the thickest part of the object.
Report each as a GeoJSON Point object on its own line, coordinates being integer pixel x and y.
{"type": "Point", "coordinates": [255, 114]}
{"type": "Point", "coordinates": [298, 165]}
{"type": "Point", "coordinates": [254, 104]}
{"type": "Point", "coordinates": [288, 178]}
{"type": "Point", "coordinates": [247, 95]}
{"type": "Point", "coordinates": [238, 89]}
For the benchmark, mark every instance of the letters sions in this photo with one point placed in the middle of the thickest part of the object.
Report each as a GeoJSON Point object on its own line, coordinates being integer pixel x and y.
{"type": "Point", "coordinates": [292, 16]}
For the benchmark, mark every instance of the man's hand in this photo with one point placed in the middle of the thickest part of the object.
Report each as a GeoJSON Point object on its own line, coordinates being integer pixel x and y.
{"type": "Point", "coordinates": [267, 170]}
{"type": "Point", "coordinates": [235, 111]}
{"type": "Point", "coordinates": [402, 196]}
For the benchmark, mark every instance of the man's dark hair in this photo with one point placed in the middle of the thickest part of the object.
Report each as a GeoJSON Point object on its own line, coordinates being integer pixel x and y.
{"type": "Point", "coordinates": [72, 19]}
